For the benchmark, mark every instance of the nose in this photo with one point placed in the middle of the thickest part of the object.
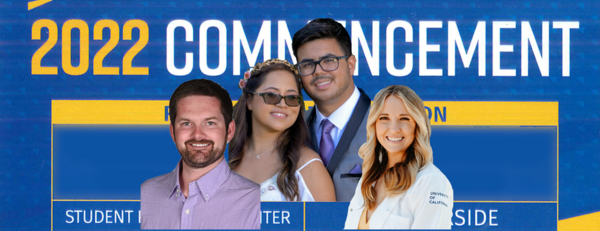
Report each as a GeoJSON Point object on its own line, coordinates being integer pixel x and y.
{"type": "Point", "coordinates": [318, 70]}
{"type": "Point", "coordinates": [395, 126]}
{"type": "Point", "coordinates": [198, 132]}
{"type": "Point", "coordinates": [281, 103]}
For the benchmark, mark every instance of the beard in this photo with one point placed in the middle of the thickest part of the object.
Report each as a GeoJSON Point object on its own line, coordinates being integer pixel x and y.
{"type": "Point", "coordinates": [201, 159]}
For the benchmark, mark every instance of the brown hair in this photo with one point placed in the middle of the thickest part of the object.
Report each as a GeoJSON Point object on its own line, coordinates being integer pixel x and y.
{"type": "Point", "coordinates": [203, 87]}
{"type": "Point", "coordinates": [402, 175]}
{"type": "Point", "coordinates": [289, 143]}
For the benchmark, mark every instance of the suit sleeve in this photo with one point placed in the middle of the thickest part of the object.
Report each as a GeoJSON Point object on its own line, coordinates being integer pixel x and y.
{"type": "Point", "coordinates": [433, 203]}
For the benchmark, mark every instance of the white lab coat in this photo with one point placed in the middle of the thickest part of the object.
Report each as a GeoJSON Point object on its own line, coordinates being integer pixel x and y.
{"type": "Point", "coordinates": [426, 205]}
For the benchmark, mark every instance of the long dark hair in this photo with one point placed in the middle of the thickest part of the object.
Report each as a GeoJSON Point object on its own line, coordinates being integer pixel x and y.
{"type": "Point", "coordinates": [289, 142]}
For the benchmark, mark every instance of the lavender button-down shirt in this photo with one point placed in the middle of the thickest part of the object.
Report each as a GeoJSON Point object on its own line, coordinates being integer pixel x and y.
{"type": "Point", "coordinates": [221, 199]}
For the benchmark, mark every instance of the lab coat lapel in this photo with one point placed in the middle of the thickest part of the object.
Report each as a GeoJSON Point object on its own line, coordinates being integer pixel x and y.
{"type": "Point", "coordinates": [355, 211]}
{"type": "Point", "coordinates": [383, 211]}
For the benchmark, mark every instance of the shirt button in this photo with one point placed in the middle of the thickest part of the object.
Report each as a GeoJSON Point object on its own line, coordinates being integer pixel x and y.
{"type": "Point", "coordinates": [207, 196]}
{"type": "Point", "coordinates": [350, 210]}
{"type": "Point", "coordinates": [187, 211]}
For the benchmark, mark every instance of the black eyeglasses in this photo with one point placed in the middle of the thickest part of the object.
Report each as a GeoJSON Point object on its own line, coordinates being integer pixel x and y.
{"type": "Point", "coordinates": [327, 64]}
{"type": "Point", "coordinates": [274, 99]}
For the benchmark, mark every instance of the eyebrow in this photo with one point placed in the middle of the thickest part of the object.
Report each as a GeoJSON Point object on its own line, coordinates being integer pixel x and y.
{"type": "Point", "coordinates": [327, 56]}
{"type": "Point", "coordinates": [211, 118]}
{"type": "Point", "coordinates": [277, 89]}
{"type": "Point", "coordinates": [272, 88]}
{"type": "Point", "coordinates": [387, 114]}
{"type": "Point", "coordinates": [179, 119]}
{"type": "Point", "coordinates": [322, 57]}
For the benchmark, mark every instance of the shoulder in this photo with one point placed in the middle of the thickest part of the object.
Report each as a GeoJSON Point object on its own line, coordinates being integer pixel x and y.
{"type": "Point", "coordinates": [430, 177]}
{"type": "Point", "coordinates": [243, 190]}
{"type": "Point", "coordinates": [309, 113]}
{"type": "Point", "coordinates": [242, 198]}
{"type": "Point", "coordinates": [430, 173]}
{"type": "Point", "coordinates": [239, 182]}
{"type": "Point", "coordinates": [240, 191]}
{"type": "Point", "coordinates": [432, 197]}
{"type": "Point", "coordinates": [158, 184]}
{"type": "Point", "coordinates": [365, 119]}
{"type": "Point", "coordinates": [306, 155]}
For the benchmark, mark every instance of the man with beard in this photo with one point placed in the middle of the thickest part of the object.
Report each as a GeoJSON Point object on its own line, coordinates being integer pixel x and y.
{"type": "Point", "coordinates": [337, 123]}
{"type": "Point", "coordinates": [202, 192]}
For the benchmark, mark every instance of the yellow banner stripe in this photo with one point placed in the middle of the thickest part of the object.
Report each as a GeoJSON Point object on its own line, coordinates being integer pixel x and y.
{"type": "Point", "coordinates": [33, 4]}
{"type": "Point", "coordinates": [109, 111]}
{"type": "Point", "coordinates": [441, 112]}
{"type": "Point", "coordinates": [585, 222]}
{"type": "Point", "coordinates": [494, 113]}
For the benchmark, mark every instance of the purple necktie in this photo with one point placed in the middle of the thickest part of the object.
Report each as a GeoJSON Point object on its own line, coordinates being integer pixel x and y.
{"type": "Point", "coordinates": [326, 145]}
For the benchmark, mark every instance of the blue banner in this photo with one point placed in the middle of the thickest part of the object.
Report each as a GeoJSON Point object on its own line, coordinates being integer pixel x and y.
{"type": "Point", "coordinates": [475, 64]}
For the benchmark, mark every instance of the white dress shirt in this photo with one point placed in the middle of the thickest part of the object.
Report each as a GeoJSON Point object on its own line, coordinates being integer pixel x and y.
{"type": "Point", "coordinates": [426, 205]}
{"type": "Point", "coordinates": [339, 118]}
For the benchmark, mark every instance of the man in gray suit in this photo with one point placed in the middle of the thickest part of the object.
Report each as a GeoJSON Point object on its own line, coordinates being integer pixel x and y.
{"type": "Point", "coordinates": [337, 123]}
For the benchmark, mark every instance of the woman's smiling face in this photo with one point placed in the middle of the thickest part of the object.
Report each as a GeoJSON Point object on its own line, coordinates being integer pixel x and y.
{"type": "Point", "coordinates": [278, 117]}
{"type": "Point", "coordinates": [395, 127]}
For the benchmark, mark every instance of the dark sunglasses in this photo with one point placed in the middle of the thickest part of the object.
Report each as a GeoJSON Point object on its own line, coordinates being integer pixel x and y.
{"type": "Point", "coordinates": [274, 99]}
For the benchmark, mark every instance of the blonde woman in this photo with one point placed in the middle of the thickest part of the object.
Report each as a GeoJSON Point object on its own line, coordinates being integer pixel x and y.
{"type": "Point", "coordinates": [400, 187]}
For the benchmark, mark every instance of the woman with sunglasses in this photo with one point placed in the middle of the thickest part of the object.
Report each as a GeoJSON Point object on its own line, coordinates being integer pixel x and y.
{"type": "Point", "coordinates": [269, 145]}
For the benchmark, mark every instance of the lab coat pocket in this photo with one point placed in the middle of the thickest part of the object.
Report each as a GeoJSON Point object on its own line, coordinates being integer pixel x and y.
{"type": "Point", "coordinates": [397, 222]}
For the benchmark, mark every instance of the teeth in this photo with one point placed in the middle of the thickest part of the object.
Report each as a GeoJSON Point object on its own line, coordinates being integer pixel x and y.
{"type": "Point", "coordinates": [395, 139]}
{"type": "Point", "coordinates": [321, 84]}
{"type": "Point", "coordinates": [199, 145]}
{"type": "Point", "coordinates": [278, 114]}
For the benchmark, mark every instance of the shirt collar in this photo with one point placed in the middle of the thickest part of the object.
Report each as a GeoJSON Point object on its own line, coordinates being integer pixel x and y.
{"type": "Point", "coordinates": [174, 182]}
{"type": "Point", "coordinates": [207, 184]}
{"type": "Point", "coordinates": [340, 116]}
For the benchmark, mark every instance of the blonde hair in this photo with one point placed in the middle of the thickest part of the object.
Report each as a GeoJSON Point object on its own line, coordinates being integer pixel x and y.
{"type": "Point", "coordinates": [402, 175]}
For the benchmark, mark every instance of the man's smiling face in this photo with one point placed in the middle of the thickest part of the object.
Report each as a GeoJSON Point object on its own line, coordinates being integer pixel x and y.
{"type": "Point", "coordinates": [327, 86]}
{"type": "Point", "coordinates": [199, 130]}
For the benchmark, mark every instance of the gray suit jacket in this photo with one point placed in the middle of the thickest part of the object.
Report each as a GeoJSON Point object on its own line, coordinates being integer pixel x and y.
{"type": "Point", "coordinates": [345, 156]}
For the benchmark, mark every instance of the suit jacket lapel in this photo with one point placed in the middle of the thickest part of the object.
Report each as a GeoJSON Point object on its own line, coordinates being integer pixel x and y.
{"type": "Point", "coordinates": [361, 108]}
{"type": "Point", "coordinates": [311, 116]}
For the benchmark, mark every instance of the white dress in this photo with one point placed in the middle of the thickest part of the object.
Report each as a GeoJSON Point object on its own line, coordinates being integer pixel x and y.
{"type": "Point", "coordinates": [270, 192]}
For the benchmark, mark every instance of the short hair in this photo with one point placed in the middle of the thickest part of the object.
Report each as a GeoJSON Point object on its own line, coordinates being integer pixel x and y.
{"type": "Point", "coordinates": [322, 28]}
{"type": "Point", "coordinates": [202, 87]}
